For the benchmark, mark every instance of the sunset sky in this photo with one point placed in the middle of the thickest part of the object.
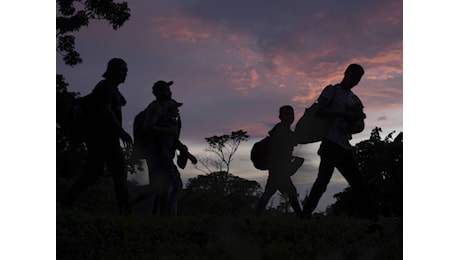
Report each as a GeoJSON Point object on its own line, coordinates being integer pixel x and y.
{"type": "Point", "coordinates": [234, 63]}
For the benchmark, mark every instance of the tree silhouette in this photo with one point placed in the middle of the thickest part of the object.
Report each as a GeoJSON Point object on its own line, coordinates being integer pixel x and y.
{"type": "Point", "coordinates": [74, 14]}
{"type": "Point", "coordinates": [219, 193]}
{"type": "Point", "coordinates": [223, 148]}
{"type": "Point", "coordinates": [70, 156]}
{"type": "Point", "coordinates": [71, 16]}
{"type": "Point", "coordinates": [380, 162]}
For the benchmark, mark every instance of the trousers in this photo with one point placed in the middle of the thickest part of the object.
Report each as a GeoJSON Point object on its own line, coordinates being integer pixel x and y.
{"type": "Point", "coordinates": [335, 156]}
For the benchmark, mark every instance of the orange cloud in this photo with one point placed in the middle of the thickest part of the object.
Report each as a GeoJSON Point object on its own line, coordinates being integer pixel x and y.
{"type": "Point", "coordinates": [182, 29]}
{"type": "Point", "coordinates": [304, 99]}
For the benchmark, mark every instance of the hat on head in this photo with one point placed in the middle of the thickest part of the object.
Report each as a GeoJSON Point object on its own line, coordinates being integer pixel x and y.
{"type": "Point", "coordinates": [161, 85]}
{"type": "Point", "coordinates": [112, 65]}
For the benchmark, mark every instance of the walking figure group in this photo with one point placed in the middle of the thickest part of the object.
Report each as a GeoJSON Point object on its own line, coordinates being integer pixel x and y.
{"type": "Point", "coordinates": [339, 103]}
{"type": "Point", "coordinates": [161, 131]}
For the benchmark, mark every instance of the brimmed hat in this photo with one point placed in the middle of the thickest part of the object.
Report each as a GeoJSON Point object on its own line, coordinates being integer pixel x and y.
{"type": "Point", "coordinates": [178, 104]}
{"type": "Point", "coordinates": [160, 85]}
{"type": "Point", "coordinates": [173, 102]}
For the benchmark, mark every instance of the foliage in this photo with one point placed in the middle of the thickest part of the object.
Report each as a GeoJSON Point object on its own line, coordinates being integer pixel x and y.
{"type": "Point", "coordinates": [70, 156]}
{"type": "Point", "coordinates": [74, 14]}
{"type": "Point", "coordinates": [381, 163]}
{"type": "Point", "coordinates": [71, 16]}
{"type": "Point", "coordinates": [64, 101]}
{"type": "Point", "coordinates": [219, 193]}
{"type": "Point", "coordinates": [223, 148]}
{"type": "Point", "coordinates": [88, 236]}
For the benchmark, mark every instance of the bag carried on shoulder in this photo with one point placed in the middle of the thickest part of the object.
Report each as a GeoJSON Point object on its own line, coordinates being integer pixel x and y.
{"type": "Point", "coordinates": [80, 122]}
{"type": "Point", "coordinates": [311, 128]}
{"type": "Point", "coordinates": [139, 142]}
{"type": "Point", "coordinates": [260, 154]}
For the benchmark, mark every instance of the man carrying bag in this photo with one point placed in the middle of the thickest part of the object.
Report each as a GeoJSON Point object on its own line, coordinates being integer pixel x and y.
{"type": "Point", "coordinates": [344, 112]}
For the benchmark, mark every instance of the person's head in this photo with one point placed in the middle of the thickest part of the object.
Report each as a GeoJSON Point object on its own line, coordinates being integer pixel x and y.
{"type": "Point", "coordinates": [286, 114]}
{"type": "Point", "coordinates": [116, 71]}
{"type": "Point", "coordinates": [352, 75]}
{"type": "Point", "coordinates": [161, 90]}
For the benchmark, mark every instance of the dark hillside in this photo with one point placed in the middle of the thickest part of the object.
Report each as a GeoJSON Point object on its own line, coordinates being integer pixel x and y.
{"type": "Point", "coordinates": [87, 236]}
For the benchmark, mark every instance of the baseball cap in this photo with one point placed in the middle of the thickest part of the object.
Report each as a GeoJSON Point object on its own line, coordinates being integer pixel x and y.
{"type": "Point", "coordinates": [161, 85]}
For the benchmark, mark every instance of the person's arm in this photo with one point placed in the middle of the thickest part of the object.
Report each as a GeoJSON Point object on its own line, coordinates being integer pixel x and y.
{"type": "Point", "coordinates": [103, 94]}
{"type": "Point", "coordinates": [325, 110]}
{"type": "Point", "coordinates": [115, 124]}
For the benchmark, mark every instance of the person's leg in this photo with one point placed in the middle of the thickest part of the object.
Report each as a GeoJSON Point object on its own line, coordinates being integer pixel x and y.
{"type": "Point", "coordinates": [325, 171]}
{"type": "Point", "coordinates": [288, 187]}
{"type": "Point", "coordinates": [157, 183]}
{"type": "Point", "coordinates": [295, 205]}
{"type": "Point", "coordinates": [176, 187]}
{"type": "Point", "coordinates": [270, 189]}
{"type": "Point", "coordinates": [117, 168]}
{"type": "Point", "coordinates": [348, 167]}
{"type": "Point", "coordinates": [165, 183]}
{"type": "Point", "coordinates": [163, 196]}
{"type": "Point", "coordinates": [145, 194]}
{"type": "Point", "coordinates": [156, 205]}
{"type": "Point", "coordinates": [93, 169]}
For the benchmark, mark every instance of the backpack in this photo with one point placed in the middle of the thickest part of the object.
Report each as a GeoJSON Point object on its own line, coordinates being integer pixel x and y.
{"type": "Point", "coordinates": [79, 118]}
{"type": "Point", "coordinates": [138, 135]}
{"type": "Point", "coordinates": [260, 154]}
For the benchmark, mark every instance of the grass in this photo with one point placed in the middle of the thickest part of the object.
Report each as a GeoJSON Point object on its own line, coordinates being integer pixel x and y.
{"type": "Point", "coordinates": [82, 235]}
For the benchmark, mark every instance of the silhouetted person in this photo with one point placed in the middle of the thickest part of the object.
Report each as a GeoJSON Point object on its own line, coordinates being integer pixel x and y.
{"type": "Point", "coordinates": [103, 140]}
{"type": "Point", "coordinates": [282, 164]}
{"type": "Point", "coordinates": [340, 103]}
{"type": "Point", "coordinates": [169, 144]}
{"type": "Point", "coordinates": [161, 130]}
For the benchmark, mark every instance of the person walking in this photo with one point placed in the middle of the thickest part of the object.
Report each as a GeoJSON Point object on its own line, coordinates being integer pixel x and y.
{"type": "Point", "coordinates": [282, 164]}
{"type": "Point", "coordinates": [161, 130]}
{"type": "Point", "coordinates": [340, 103]}
{"type": "Point", "coordinates": [103, 138]}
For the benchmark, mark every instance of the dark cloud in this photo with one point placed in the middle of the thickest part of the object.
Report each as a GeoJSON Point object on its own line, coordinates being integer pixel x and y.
{"type": "Point", "coordinates": [326, 32]}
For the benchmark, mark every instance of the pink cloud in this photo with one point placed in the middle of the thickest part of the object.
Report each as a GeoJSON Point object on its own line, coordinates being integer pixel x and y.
{"type": "Point", "coordinates": [182, 29]}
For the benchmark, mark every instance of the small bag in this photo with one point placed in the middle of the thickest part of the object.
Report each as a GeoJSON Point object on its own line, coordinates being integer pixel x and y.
{"type": "Point", "coordinates": [182, 159]}
{"type": "Point", "coordinates": [184, 156]}
{"type": "Point", "coordinates": [296, 162]}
